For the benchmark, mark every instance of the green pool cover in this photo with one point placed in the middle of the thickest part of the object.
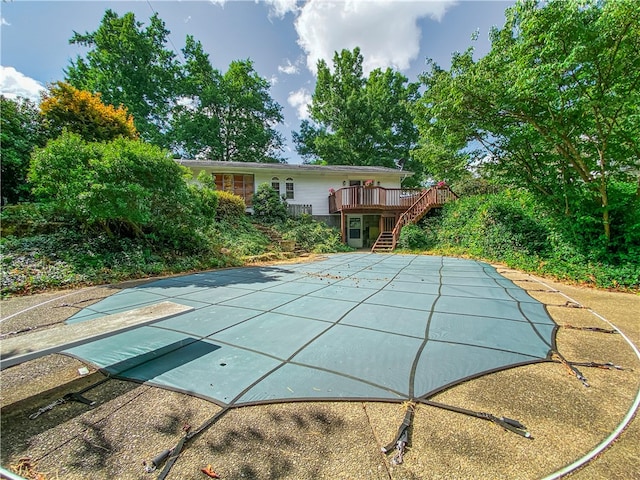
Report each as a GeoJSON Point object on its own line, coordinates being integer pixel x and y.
{"type": "Point", "coordinates": [349, 327]}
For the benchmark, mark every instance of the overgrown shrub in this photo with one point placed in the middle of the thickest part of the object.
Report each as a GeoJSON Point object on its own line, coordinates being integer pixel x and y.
{"type": "Point", "coordinates": [125, 188]}
{"type": "Point", "coordinates": [312, 236]}
{"type": "Point", "coordinates": [511, 227]}
{"type": "Point", "coordinates": [412, 237]}
{"type": "Point", "coordinates": [494, 225]}
{"type": "Point", "coordinates": [268, 207]}
{"type": "Point", "coordinates": [230, 206]}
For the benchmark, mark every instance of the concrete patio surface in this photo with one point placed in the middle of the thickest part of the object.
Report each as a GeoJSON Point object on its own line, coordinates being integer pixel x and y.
{"type": "Point", "coordinates": [130, 423]}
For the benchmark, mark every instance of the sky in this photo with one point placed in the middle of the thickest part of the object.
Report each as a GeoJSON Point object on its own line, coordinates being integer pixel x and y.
{"type": "Point", "coordinates": [284, 38]}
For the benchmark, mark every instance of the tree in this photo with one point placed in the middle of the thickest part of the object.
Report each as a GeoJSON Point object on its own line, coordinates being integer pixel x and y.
{"type": "Point", "coordinates": [195, 127]}
{"type": "Point", "coordinates": [248, 116]}
{"type": "Point", "coordinates": [225, 117]}
{"type": "Point", "coordinates": [124, 187]}
{"type": "Point", "coordinates": [129, 66]}
{"type": "Point", "coordinates": [22, 131]}
{"type": "Point", "coordinates": [552, 107]}
{"type": "Point", "coordinates": [358, 120]}
{"type": "Point", "coordinates": [84, 113]}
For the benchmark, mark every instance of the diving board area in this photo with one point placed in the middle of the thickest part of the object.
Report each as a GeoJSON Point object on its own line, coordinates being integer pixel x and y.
{"type": "Point", "coordinates": [16, 350]}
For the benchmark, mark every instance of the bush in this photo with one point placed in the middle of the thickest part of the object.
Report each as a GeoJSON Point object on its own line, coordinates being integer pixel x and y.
{"type": "Point", "coordinates": [124, 188]}
{"type": "Point", "coordinates": [510, 227]}
{"type": "Point", "coordinates": [268, 207]}
{"type": "Point", "coordinates": [230, 206]}
{"type": "Point", "coordinates": [412, 237]}
{"type": "Point", "coordinates": [312, 236]}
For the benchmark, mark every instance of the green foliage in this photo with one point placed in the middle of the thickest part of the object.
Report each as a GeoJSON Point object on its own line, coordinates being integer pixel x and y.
{"type": "Point", "coordinates": [228, 117]}
{"type": "Point", "coordinates": [412, 237]}
{"type": "Point", "coordinates": [27, 219]}
{"type": "Point", "coordinates": [230, 206]}
{"type": "Point", "coordinates": [124, 187]}
{"type": "Point", "coordinates": [67, 258]}
{"type": "Point", "coordinates": [21, 131]}
{"type": "Point", "coordinates": [495, 226]}
{"type": "Point", "coordinates": [312, 236]}
{"type": "Point", "coordinates": [190, 107]}
{"type": "Point", "coordinates": [268, 207]}
{"type": "Point", "coordinates": [552, 106]}
{"type": "Point", "coordinates": [129, 66]}
{"type": "Point", "coordinates": [239, 236]}
{"type": "Point", "coordinates": [359, 120]}
{"type": "Point", "coordinates": [511, 227]}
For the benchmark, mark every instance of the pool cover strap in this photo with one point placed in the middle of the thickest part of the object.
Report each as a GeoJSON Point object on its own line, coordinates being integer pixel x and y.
{"type": "Point", "coordinates": [570, 368]}
{"type": "Point", "coordinates": [403, 434]}
{"type": "Point", "coordinates": [589, 329]}
{"type": "Point", "coordinates": [507, 423]}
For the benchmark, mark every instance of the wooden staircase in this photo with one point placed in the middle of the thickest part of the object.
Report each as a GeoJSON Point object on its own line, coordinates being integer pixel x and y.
{"type": "Point", "coordinates": [434, 197]}
{"type": "Point", "coordinates": [384, 243]}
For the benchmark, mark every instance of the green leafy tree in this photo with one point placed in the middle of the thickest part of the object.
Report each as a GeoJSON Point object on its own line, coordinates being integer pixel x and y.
{"type": "Point", "coordinates": [249, 116]}
{"type": "Point", "coordinates": [553, 107]}
{"type": "Point", "coordinates": [225, 117]}
{"type": "Point", "coordinates": [82, 112]}
{"type": "Point", "coordinates": [124, 188]}
{"type": "Point", "coordinates": [195, 128]}
{"type": "Point", "coordinates": [268, 207]}
{"type": "Point", "coordinates": [129, 66]}
{"type": "Point", "coordinates": [22, 131]}
{"type": "Point", "coordinates": [358, 120]}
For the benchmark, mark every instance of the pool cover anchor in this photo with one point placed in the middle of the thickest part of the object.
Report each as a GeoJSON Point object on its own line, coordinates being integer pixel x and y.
{"type": "Point", "coordinates": [590, 329]}
{"type": "Point", "coordinates": [402, 436]}
{"type": "Point", "coordinates": [508, 424]}
{"type": "Point", "coordinates": [69, 397]}
{"type": "Point", "coordinates": [557, 357]}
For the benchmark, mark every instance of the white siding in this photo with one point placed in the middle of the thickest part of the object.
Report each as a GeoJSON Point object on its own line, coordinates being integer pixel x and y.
{"type": "Point", "coordinates": [310, 187]}
{"type": "Point", "coordinates": [313, 188]}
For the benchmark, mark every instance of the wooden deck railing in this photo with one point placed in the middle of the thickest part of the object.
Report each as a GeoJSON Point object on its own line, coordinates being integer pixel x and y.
{"type": "Point", "coordinates": [432, 198]}
{"type": "Point", "coordinates": [354, 198]}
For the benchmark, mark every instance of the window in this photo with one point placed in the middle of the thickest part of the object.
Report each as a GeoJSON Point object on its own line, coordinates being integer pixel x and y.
{"type": "Point", "coordinates": [289, 189]}
{"type": "Point", "coordinates": [275, 184]}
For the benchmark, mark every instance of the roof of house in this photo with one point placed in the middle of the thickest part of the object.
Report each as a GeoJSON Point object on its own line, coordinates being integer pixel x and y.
{"type": "Point", "coordinates": [285, 167]}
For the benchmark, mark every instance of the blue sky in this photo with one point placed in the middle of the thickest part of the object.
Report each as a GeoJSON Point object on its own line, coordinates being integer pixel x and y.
{"type": "Point", "coordinates": [284, 38]}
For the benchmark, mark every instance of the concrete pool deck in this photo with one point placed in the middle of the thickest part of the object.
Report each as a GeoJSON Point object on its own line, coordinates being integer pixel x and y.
{"type": "Point", "coordinates": [133, 422]}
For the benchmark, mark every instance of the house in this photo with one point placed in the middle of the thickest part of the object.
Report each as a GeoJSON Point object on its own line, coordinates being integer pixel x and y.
{"type": "Point", "coordinates": [365, 203]}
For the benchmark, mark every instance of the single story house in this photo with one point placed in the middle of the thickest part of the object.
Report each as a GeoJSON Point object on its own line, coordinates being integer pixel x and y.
{"type": "Point", "coordinates": [363, 202]}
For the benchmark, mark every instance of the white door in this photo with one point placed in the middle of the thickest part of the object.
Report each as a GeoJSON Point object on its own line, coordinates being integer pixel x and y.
{"type": "Point", "coordinates": [354, 230]}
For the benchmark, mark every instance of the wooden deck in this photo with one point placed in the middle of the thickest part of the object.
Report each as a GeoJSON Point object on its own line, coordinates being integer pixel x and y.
{"type": "Point", "coordinates": [352, 199]}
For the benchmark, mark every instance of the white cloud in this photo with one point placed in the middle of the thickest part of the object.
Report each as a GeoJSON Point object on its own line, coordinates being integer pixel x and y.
{"type": "Point", "coordinates": [385, 30]}
{"type": "Point", "coordinates": [289, 68]}
{"type": "Point", "coordinates": [4, 22]}
{"type": "Point", "coordinates": [300, 99]}
{"type": "Point", "coordinates": [14, 84]}
{"type": "Point", "coordinates": [280, 8]}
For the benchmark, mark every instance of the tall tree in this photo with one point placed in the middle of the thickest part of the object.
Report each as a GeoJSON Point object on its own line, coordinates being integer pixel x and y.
{"type": "Point", "coordinates": [129, 66]}
{"type": "Point", "coordinates": [554, 105]}
{"type": "Point", "coordinates": [249, 116]}
{"type": "Point", "coordinates": [82, 112]}
{"type": "Point", "coordinates": [226, 117]}
{"type": "Point", "coordinates": [195, 125]}
{"type": "Point", "coordinates": [358, 120]}
{"type": "Point", "coordinates": [22, 131]}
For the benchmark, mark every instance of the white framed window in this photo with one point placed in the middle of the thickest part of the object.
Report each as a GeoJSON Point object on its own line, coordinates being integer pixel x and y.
{"type": "Point", "coordinates": [275, 184]}
{"type": "Point", "coordinates": [289, 188]}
